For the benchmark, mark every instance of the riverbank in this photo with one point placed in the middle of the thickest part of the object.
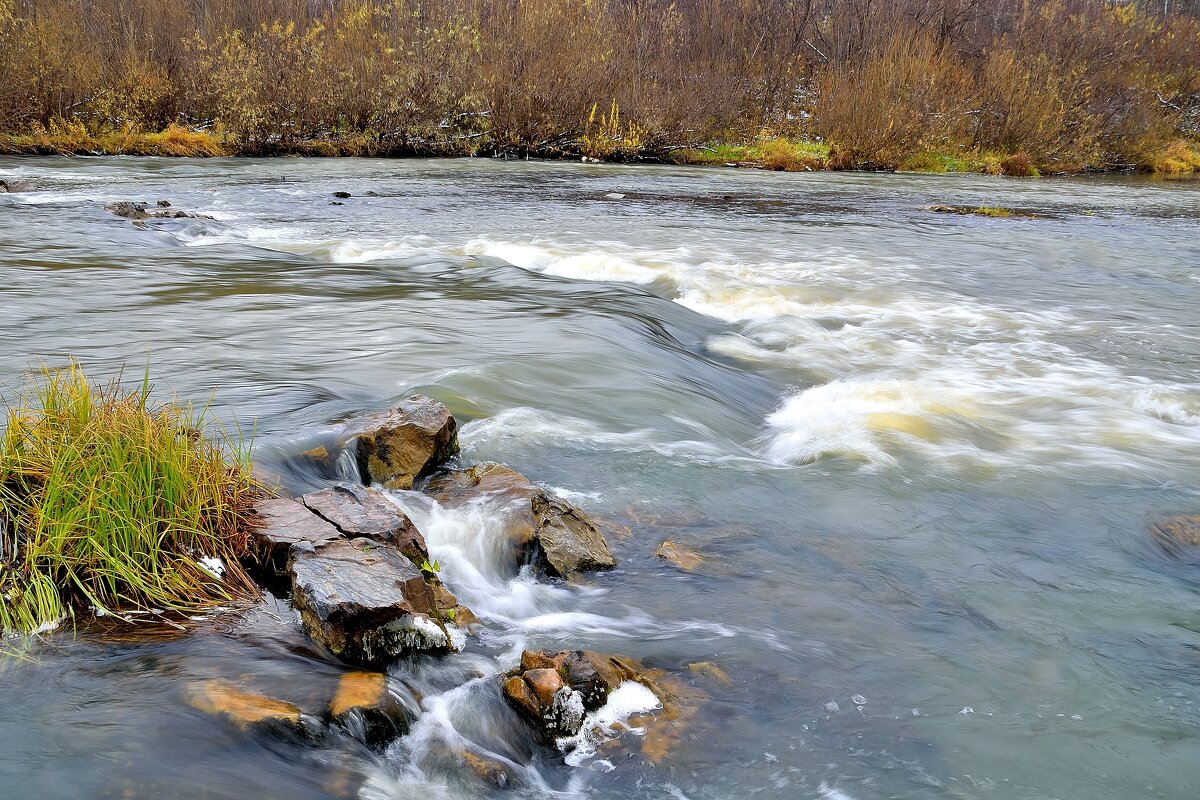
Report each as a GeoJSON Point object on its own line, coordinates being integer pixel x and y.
{"type": "Point", "coordinates": [765, 151]}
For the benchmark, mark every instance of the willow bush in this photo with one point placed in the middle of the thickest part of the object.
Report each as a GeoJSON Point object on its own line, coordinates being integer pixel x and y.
{"type": "Point", "coordinates": [1075, 84]}
{"type": "Point", "coordinates": [111, 504]}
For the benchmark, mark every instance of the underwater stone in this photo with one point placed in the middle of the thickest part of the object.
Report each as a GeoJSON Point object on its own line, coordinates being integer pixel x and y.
{"type": "Point", "coordinates": [365, 706]}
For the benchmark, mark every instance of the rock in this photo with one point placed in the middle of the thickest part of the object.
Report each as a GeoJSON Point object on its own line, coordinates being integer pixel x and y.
{"type": "Point", "coordinates": [128, 210]}
{"type": "Point", "coordinates": [682, 557]}
{"type": "Point", "coordinates": [366, 602]}
{"type": "Point", "coordinates": [399, 445]}
{"type": "Point", "coordinates": [1178, 535]}
{"type": "Point", "coordinates": [342, 195]}
{"type": "Point", "coordinates": [138, 211]}
{"type": "Point", "coordinates": [554, 692]}
{"type": "Point", "coordinates": [284, 523]}
{"type": "Point", "coordinates": [545, 530]}
{"type": "Point", "coordinates": [163, 204]}
{"type": "Point", "coordinates": [363, 511]}
{"type": "Point", "coordinates": [365, 706]}
{"type": "Point", "coordinates": [710, 670]}
{"type": "Point", "coordinates": [248, 711]}
{"type": "Point", "coordinates": [15, 186]}
{"type": "Point", "coordinates": [488, 770]}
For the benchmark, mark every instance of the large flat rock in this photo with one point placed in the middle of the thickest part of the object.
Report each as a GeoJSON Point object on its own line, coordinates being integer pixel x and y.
{"type": "Point", "coordinates": [284, 523]}
{"type": "Point", "coordinates": [367, 602]}
{"type": "Point", "coordinates": [409, 440]}
{"type": "Point", "coordinates": [359, 511]}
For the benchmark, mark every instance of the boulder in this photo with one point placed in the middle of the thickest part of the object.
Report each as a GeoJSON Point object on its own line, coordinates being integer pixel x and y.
{"type": "Point", "coordinates": [397, 446]}
{"type": "Point", "coordinates": [283, 523]}
{"type": "Point", "coordinates": [365, 706]}
{"type": "Point", "coordinates": [362, 511]}
{"type": "Point", "coordinates": [15, 186]}
{"type": "Point", "coordinates": [139, 211]}
{"type": "Point", "coordinates": [342, 195]}
{"type": "Point", "coordinates": [128, 210]}
{"type": "Point", "coordinates": [1178, 535]}
{"type": "Point", "coordinates": [545, 529]}
{"type": "Point", "coordinates": [367, 602]}
{"type": "Point", "coordinates": [249, 711]}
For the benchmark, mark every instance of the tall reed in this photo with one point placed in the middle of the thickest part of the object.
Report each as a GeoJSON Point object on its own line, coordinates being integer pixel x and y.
{"type": "Point", "coordinates": [110, 503]}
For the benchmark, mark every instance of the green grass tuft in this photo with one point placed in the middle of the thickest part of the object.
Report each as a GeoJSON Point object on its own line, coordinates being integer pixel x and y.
{"type": "Point", "coordinates": [108, 502]}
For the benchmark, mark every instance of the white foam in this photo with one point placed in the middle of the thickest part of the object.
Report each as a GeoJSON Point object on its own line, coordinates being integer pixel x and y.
{"type": "Point", "coordinates": [609, 720]}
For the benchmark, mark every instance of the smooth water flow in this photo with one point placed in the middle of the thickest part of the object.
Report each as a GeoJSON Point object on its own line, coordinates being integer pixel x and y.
{"type": "Point", "coordinates": [918, 453]}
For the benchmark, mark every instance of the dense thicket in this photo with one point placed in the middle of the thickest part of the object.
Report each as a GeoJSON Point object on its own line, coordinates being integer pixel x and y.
{"type": "Point", "coordinates": [1073, 83]}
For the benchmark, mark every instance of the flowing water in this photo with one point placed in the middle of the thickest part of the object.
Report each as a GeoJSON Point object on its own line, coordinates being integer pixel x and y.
{"type": "Point", "coordinates": [918, 452]}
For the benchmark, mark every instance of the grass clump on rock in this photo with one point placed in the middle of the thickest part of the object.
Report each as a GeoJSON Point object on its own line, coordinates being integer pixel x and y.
{"type": "Point", "coordinates": [111, 504]}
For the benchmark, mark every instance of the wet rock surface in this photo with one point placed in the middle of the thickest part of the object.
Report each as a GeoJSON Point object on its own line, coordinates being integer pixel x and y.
{"type": "Point", "coordinates": [679, 555]}
{"type": "Point", "coordinates": [1178, 535]}
{"type": "Point", "coordinates": [362, 511]}
{"type": "Point", "coordinates": [555, 691]}
{"type": "Point", "coordinates": [15, 186]}
{"type": "Point", "coordinates": [140, 211]}
{"type": "Point", "coordinates": [545, 530]}
{"type": "Point", "coordinates": [250, 711]}
{"type": "Point", "coordinates": [365, 706]}
{"type": "Point", "coordinates": [397, 446]}
{"type": "Point", "coordinates": [366, 602]}
{"type": "Point", "coordinates": [285, 522]}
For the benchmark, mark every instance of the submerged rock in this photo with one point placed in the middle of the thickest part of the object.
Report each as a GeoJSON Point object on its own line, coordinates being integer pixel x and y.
{"type": "Point", "coordinates": [1179, 535]}
{"type": "Point", "coordinates": [249, 711]}
{"type": "Point", "coordinates": [684, 558]}
{"type": "Point", "coordinates": [284, 523]}
{"type": "Point", "coordinates": [488, 770]}
{"type": "Point", "coordinates": [365, 706]}
{"type": "Point", "coordinates": [545, 529]}
{"type": "Point", "coordinates": [367, 602]}
{"type": "Point", "coordinates": [363, 511]}
{"type": "Point", "coordinates": [397, 446]}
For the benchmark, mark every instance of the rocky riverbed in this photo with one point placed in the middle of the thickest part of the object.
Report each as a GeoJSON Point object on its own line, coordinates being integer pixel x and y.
{"type": "Point", "coordinates": [357, 571]}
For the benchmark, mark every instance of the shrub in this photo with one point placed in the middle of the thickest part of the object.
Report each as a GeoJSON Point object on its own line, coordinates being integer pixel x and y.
{"type": "Point", "coordinates": [1018, 165]}
{"type": "Point", "coordinates": [113, 504]}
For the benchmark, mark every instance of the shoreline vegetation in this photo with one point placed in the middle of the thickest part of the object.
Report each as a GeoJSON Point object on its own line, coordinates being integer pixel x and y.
{"type": "Point", "coordinates": [1014, 87]}
{"type": "Point", "coordinates": [112, 505]}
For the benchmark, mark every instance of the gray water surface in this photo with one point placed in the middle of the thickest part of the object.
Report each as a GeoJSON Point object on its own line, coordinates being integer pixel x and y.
{"type": "Point", "coordinates": [918, 451]}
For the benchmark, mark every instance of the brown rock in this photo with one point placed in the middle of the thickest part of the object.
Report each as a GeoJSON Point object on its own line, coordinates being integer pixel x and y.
{"type": "Point", "coordinates": [362, 511]}
{"type": "Point", "coordinates": [399, 445]}
{"type": "Point", "coordinates": [544, 529]}
{"type": "Point", "coordinates": [247, 710]}
{"type": "Point", "coordinates": [128, 210]}
{"type": "Point", "coordinates": [521, 695]}
{"type": "Point", "coordinates": [554, 692]}
{"type": "Point", "coordinates": [488, 770]}
{"type": "Point", "coordinates": [365, 601]}
{"type": "Point", "coordinates": [545, 684]}
{"type": "Point", "coordinates": [365, 706]}
{"type": "Point", "coordinates": [710, 670]}
{"type": "Point", "coordinates": [284, 523]}
{"type": "Point", "coordinates": [684, 558]}
{"type": "Point", "coordinates": [1178, 535]}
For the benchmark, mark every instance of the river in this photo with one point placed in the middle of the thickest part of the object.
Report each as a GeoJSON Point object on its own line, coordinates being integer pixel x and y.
{"type": "Point", "coordinates": [918, 452]}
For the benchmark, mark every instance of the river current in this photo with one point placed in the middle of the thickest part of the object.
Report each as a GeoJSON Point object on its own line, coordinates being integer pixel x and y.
{"type": "Point", "coordinates": [917, 451]}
